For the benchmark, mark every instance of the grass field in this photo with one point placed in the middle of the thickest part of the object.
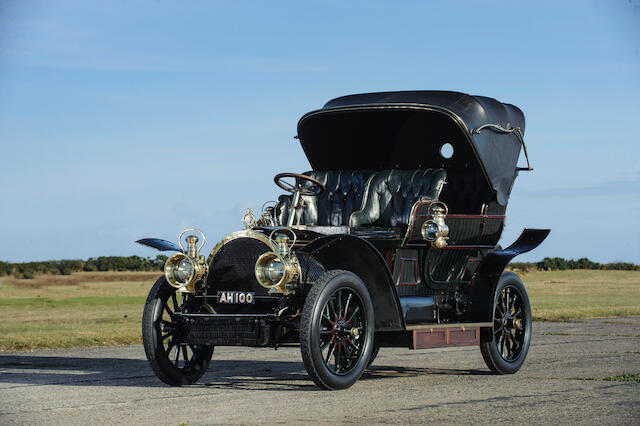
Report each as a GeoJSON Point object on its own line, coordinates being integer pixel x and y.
{"type": "Point", "coordinates": [105, 308]}
{"type": "Point", "coordinates": [561, 295]}
{"type": "Point", "coordinates": [83, 309]}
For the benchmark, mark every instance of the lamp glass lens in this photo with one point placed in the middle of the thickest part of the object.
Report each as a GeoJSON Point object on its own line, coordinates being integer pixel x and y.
{"type": "Point", "coordinates": [183, 271]}
{"type": "Point", "coordinates": [431, 231]}
{"type": "Point", "coordinates": [274, 271]}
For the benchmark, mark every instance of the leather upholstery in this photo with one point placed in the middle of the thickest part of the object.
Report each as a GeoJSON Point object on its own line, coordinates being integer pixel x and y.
{"type": "Point", "coordinates": [392, 194]}
{"type": "Point", "coordinates": [332, 207]}
{"type": "Point", "coordinates": [359, 198]}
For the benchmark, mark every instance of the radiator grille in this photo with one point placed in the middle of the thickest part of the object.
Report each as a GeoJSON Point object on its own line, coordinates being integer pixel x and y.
{"type": "Point", "coordinates": [233, 266]}
{"type": "Point", "coordinates": [228, 332]}
{"type": "Point", "coordinates": [233, 269]}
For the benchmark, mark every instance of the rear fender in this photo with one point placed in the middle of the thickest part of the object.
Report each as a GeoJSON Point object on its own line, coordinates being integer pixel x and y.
{"type": "Point", "coordinates": [363, 259]}
{"type": "Point", "coordinates": [488, 273]}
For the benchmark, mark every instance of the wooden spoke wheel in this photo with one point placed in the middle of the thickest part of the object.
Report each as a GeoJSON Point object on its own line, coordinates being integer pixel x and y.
{"type": "Point", "coordinates": [336, 330]}
{"type": "Point", "coordinates": [175, 361]}
{"type": "Point", "coordinates": [504, 347]}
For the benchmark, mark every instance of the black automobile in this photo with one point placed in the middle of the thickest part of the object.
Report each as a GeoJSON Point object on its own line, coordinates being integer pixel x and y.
{"type": "Point", "coordinates": [390, 241]}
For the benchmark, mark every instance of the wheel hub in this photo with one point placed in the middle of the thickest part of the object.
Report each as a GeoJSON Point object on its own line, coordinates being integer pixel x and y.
{"type": "Point", "coordinates": [510, 323]}
{"type": "Point", "coordinates": [342, 332]}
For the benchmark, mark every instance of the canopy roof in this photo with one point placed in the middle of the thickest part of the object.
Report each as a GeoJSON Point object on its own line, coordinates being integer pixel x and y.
{"type": "Point", "coordinates": [406, 130]}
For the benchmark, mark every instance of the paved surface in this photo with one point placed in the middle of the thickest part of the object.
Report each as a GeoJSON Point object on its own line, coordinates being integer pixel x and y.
{"type": "Point", "coordinates": [559, 384]}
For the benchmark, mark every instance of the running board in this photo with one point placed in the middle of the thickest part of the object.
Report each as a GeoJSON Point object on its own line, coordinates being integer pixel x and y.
{"type": "Point", "coordinates": [446, 335]}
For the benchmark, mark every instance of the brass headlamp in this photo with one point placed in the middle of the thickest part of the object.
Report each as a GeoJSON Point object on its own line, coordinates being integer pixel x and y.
{"type": "Point", "coordinates": [436, 230]}
{"type": "Point", "coordinates": [183, 270]}
{"type": "Point", "coordinates": [278, 270]}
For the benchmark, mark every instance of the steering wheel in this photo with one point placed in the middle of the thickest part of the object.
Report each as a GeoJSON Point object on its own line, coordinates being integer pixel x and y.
{"type": "Point", "coordinates": [316, 188]}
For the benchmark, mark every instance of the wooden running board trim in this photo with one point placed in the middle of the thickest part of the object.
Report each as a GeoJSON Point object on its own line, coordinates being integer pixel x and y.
{"type": "Point", "coordinates": [446, 337]}
{"type": "Point", "coordinates": [448, 325]}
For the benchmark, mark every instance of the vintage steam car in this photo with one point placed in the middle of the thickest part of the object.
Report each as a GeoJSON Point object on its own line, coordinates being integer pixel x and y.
{"type": "Point", "coordinates": [390, 241]}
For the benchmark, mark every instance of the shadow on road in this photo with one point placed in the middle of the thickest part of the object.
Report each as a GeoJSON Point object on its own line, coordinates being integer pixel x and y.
{"type": "Point", "coordinates": [377, 372]}
{"type": "Point", "coordinates": [20, 370]}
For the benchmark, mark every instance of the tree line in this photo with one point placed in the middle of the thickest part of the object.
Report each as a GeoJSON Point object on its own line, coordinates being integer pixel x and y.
{"type": "Point", "coordinates": [561, 264]}
{"type": "Point", "coordinates": [137, 263]}
{"type": "Point", "coordinates": [67, 267]}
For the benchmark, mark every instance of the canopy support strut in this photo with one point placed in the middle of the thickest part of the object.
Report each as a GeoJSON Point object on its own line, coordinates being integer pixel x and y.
{"type": "Point", "coordinates": [515, 130]}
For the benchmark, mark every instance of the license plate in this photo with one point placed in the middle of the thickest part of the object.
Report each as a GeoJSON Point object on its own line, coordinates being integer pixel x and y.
{"type": "Point", "coordinates": [236, 297]}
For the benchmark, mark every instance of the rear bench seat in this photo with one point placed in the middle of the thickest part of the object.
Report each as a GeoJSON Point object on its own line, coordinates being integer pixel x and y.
{"type": "Point", "coordinates": [364, 199]}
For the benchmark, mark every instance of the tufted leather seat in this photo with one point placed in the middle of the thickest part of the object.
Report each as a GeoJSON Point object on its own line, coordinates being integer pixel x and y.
{"type": "Point", "coordinates": [332, 207]}
{"type": "Point", "coordinates": [392, 194]}
{"type": "Point", "coordinates": [360, 198]}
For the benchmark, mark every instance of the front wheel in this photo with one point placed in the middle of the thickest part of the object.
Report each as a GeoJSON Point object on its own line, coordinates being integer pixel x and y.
{"type": "Point", "coordinates": [374, 354]}
{"type": "Point", "coordinates": [336, 330]}
{"type": "Point", "coordinates": [174, 360]}
{"type": "Point", "coordinates": [504, 347]}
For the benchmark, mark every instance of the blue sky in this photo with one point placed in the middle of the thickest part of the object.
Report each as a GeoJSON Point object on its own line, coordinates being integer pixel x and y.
{"type": "Point", "coordinates": [121, 120]}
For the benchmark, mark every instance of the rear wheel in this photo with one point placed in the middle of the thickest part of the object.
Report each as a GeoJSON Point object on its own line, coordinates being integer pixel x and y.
{"type": "Point", "coordinates": [504, 347]}
{"type": "Point", "coordinates": [174, 360]}
{"type": "Point", "coordinates": [336, 330]}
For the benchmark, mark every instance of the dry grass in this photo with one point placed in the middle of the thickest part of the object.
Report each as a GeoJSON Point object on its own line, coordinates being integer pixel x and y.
{"type": "Point", "coordinates": [560, 295]}
{"type": "Point", "coordinates": [83, 309]}
{"type": "Point", "coordinates": [47, 280]}
{"type": "Point", "coordinates": [105, 308]}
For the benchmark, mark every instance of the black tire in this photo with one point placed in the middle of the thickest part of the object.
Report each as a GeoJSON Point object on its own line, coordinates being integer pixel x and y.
{"type": "Point", "coordinates": [326, 331]}
{"type": "Point", "coordinates": [161, 333]}
{"type": "Point", "coordinates": [374, 354]}
{"type": "Point", "coordinates": [505, 346]}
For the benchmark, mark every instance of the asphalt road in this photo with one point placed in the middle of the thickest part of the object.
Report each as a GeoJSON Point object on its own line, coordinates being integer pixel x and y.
{"type": "Point", "coordinates": [560, 383]}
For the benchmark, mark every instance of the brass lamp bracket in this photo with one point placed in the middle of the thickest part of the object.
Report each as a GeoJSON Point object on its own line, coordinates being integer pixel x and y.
{"type": "Point", "coordinates": [282, 244]}
{"type": "Point", "coordinates": [191, 242]}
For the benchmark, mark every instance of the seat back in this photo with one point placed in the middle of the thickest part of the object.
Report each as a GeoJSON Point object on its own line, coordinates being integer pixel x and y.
{"type": "Point", "coordinates": [392, 193]}
{"type": "Point", "coordinates": [344, 192]}
{"type": "Point", "coordinates": [362, 197]}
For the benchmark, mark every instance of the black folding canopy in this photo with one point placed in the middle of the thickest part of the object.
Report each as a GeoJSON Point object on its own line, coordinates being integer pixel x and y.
{"type": "Point", "coordinates": [406, 130]}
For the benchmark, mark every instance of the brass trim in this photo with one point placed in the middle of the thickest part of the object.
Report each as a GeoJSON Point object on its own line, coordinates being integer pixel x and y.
{"type": "Point", "coordinates": [248, 219]}
{"type": "Point", "coordinates": [438, 212]}
{"type": "Point", "coordinates": [412, 219]}
{"type": "Point", "coordinates": [260, 265]}
{"type": "Point", "coordinates": [321, 229]}
{"type": "Point", "coordinates": [204, 239]}
{"type": "Point", "coordinates": [200, 270]}
{"type": "Point", "coordinates": [292, 272]}
{"type": "Point", "coordinates": [285, 247]}
{"type": "Point", "coordinates": [267, 218]}
{"type": "Point", "coordinates": [245, 233]}
{"type": "Point", "coordinates": [291, 263]}
{"type": "Point", "coordinates": [405, 240]}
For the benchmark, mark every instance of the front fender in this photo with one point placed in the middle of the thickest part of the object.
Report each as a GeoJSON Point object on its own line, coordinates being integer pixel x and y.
{"type": "Point", "coordinates": [158, 244]}
{"type": "Point", "coordinates": [488, 273]}
{"type": "Point", "coordinates": [363, 259]}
